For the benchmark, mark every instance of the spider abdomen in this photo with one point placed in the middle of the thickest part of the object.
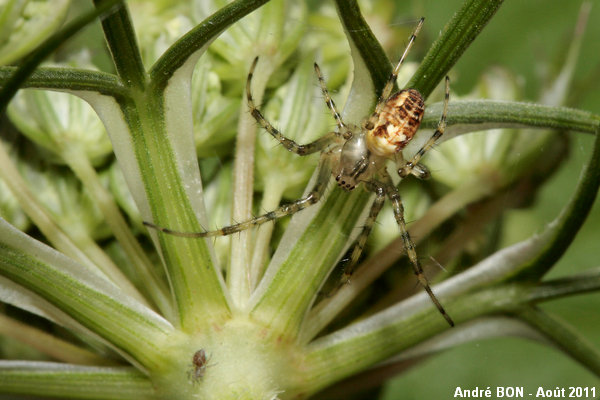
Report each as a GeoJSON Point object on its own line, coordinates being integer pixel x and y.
{"type": "Point", "coordinates": [398, 122]}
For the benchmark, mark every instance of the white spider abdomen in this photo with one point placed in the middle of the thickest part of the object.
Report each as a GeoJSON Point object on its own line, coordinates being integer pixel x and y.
{"type": "Point", "coordinates": [397, 124]}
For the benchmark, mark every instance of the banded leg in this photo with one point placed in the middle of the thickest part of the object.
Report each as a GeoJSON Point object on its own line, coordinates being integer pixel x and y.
{"type": "Point", "coordinates": [289, 144]}
{"type": "Point", "coordinates": [282, 211]}
{"type": "Point", "coordinates": [409, 247]}
{"type": "Point", "coordinates": [342, 130]}
{"type": "Point", "coordinates": [389, 86]}
{"type": "Point", "coordinates": [420, 171]}
{"type": "Point", "coordinates": [410, 165]}
{"type": "Point", "coordinates": [360, 242]}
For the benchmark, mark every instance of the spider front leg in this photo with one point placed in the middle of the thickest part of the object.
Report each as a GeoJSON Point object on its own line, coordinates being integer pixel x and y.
{"type": "Point", "coordinates": [389, 86]}
{"type": "Point", "coordinates": [313, 196]}
{"type": "Point", "coordinates": [413, 164]}
{"type": "Point", "coordinates": [342, 129]}
{"type": "Point", "coordinates": [418, 170]}
{"type": "Point", "coordinates": [409, 247]}
{"type": "Point", "coordinates": [289, 144]}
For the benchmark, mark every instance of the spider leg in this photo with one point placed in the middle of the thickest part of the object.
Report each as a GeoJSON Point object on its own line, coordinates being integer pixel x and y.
{"type": "Point", "coordinates": [313, 196]}
{"type": "Point", "coordinates": [289, 144]}
{"type": "Point", "coordinates": [360, 242]}
{"type": "Point", "coordinates": [410, 165]}
{"type": "Point", "coordinates": [389, 86]}
{"type": "Point", "coordinates": [409, 247]}
{"type": "Point", "coordinates": [342, 130]}
{"type": "Point", "coordinates": [420, 171]}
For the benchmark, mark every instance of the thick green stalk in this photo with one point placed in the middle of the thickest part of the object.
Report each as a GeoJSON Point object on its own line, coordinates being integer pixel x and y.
{"type": "Point", "coordinates": [565, 227]}
{"type": "Point", "coordinates": [68, 79]}
{"type": "Point", "coordinates": [385, 334]}
{"type": "Point", "coordinates": [154, 287]}
{"type": "Point", "coordinates": [364, 44]}
{"type": "Point", "coordinates": [458, 34]}
{"type": "Point", "coordinates": [199, 38]}
{"type": "Point", "coordinates": [81, 247]}
{"type": "Point", "coordinates": [473, 115]}
{"type": "Point", "coordinates": [121, 39]}
{"type": "Point", "coordinates": [87, 297]}
{"type": "Point", "coordinates": [69, 381]}
{"type": "Point", "coordinates": [58, 349]}
{"type": "Point", "coordinates": [196, 283]}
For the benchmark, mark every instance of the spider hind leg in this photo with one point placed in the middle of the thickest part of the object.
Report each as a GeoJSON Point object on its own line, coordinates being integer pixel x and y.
{"type": "Point", "coordinates": [409, 247]}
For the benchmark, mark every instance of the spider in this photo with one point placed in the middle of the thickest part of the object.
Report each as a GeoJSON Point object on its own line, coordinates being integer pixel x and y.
{"type": "Point", "coordinates": [354, 155]}
{"type": "Point", "coordinates": [199, 364]}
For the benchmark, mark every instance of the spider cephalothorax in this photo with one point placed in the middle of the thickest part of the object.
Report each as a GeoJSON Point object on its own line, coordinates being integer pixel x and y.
{"type": "Point", "coordinates": [382, 137]}
{"type": "Point", "coordinates": [357, 155]}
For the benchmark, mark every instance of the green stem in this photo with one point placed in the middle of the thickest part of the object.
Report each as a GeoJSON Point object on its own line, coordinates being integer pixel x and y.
{"type": "Point", "coordinates": [52, 346]}
{"type": "Point", "coordinates": [165, 166]}
{"type": "Point", "coordinates": [458, 34]}
{"type": "Point", "coordinates": [199, 38]}
{"type": "Point", "coordinates": [587, 282]}
{"type": "Point", "coordinates": [69, 381]}
{"type": "Point", "coordinates": [70, 79]}
{"type": "Point", "coordinates": [88, 298]}
{"type": "Point", "coordinates": [383, 335]}
{"type": "Point", "coordinates": [564, 229]}
{"type": "Point", "coordinates": [82, 248]}
{"type": "Point", "coordinates": [121, 39]}
{"type": "Point", "coordinates": [364, 43]}
{"type": "Point", "coordinates": [474, 115]}
{"type": "Point", "coordinates": [293, 280]}
{"type": "Point", "coordinates": [563, 337]}
{"type": "Point", "coordinates": [153, 285]}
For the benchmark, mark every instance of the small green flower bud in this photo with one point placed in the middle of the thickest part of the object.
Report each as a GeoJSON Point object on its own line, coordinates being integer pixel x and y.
{"type": "Point", "coordinates": [60, 122]}
{"type": "Point", "coordinates": [215, 115]}
{"type": "Point", "coordinates": [466, 156]}
{"type": "Point", "coordinates": [65, 198]}
{"type": "Point", "coordinates": [26, 24]}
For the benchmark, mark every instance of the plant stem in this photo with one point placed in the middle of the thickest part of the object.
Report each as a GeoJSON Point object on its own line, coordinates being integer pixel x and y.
{"type": "Point", "coordinates": [563, 337]}
{"type": "Point", "coordinates": [238, 277]}
{"type": "Point", "coordinates": [91, 300]}
{"type": "Point", "coordinates": [82, 248]}
{"type": "Point", "coordinates": [68, 381]}
{"type": "Point", "coordinates": [272, 193]}
{"type": "Point", "coordinates": [458, 34]}
{"type": "Point", "coordinates": [57, 348]}
{"type": "Point", "coordinates": [153, 285]}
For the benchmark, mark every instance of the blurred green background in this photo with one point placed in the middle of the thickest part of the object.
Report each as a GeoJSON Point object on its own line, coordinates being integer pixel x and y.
{"type": "Point", "coordinates": [530, 39]}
